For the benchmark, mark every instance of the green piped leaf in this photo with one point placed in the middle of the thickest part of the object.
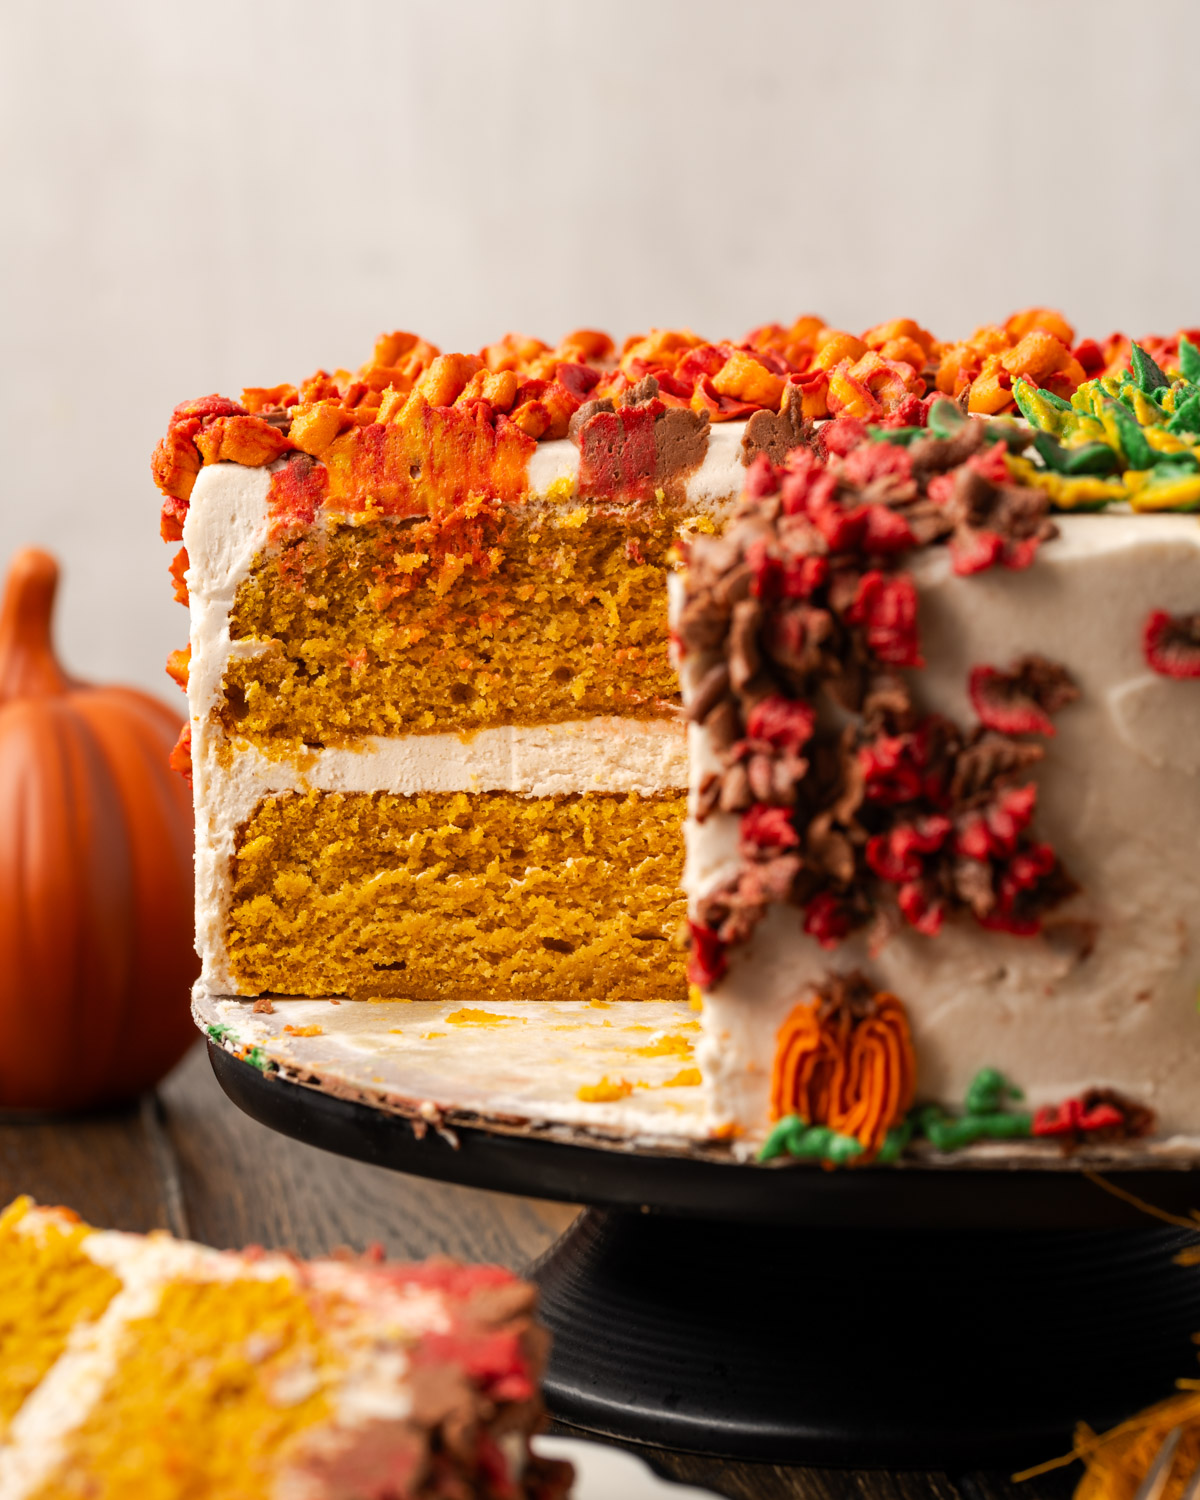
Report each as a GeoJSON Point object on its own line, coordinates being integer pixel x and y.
{"type": "Point", "coordinates": [1137, 451]}
{"type": "Point", "coordinates": [900, 436]}
{"type": "Point", "coordinates": [1041, 409]}
{"type": "Point", "coordinates": [1146, 373]}
{"type": "Point", "coordinates": [946, 417]}
{"type": "Point", "coordinates": [1187, 415]}
{"type": "Point", "coordinates": [839, 1149]}
{"type": "Point", "coordinates": [948, 1133]}
{"type": "Point", "coordinates": [794, 1137]}
{"type": "Point", "coordinates": [988, 1092]}
{"type": "Point", "coordinates": [1177, 465]}
{"type": "Point", "coordinates": [776, 1144]}
{"type": "Point", "coordinates": [1088, 458]}
{"type": "Point", "coordinates": [896, 1140]}
{"type": "Point", "coordinates": [1189, 360]}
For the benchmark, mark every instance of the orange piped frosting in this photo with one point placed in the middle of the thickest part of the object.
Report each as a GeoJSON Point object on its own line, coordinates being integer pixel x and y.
{"type": "Point", "coordinates": [428, 458]}
{"type": "Point", "coordinates": [414, 427]}
{"type": "Point", "coordinates": [845, 1059]}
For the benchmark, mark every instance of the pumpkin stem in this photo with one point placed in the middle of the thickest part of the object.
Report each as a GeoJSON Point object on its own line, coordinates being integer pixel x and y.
{"type": "Point", "coordinates": [28, 667]}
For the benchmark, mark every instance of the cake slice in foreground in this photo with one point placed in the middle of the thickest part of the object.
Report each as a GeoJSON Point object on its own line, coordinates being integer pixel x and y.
{"type": "Point", "coordinates": [149, 1366]}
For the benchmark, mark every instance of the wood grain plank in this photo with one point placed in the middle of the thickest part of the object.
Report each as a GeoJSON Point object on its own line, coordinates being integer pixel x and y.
{"type": "Point", "coordinates": [244, 1184]}
{"type": "Point", "coordinates": [104, 1166]}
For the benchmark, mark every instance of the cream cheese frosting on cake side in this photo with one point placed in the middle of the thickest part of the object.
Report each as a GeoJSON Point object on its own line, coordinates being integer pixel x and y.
{"type": "Point", "coordinates": [944, 806]}
{"type": "Point", "coordinates": [1113, 1003]}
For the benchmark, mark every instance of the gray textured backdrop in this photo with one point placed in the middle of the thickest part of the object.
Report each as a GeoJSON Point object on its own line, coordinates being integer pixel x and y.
{"type": "Point", "coordinates": [200, 197]}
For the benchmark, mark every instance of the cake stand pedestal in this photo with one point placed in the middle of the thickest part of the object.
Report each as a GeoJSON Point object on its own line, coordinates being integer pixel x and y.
{"type": "Point", "coordinates": [924, 1317]}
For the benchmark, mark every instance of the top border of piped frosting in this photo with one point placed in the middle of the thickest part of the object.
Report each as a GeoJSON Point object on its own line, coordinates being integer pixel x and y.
{"type": "Point", "coordinates": [413, 426]}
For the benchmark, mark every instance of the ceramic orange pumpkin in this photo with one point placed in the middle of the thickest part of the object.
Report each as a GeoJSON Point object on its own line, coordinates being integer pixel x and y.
{"type": "Point", "coordinates": [96, 957]}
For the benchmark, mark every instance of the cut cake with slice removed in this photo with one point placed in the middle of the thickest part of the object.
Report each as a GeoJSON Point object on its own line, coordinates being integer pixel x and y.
{"type": "Point", "coordinates": [942, 797]}
{"type": "Point", "coordinates": [432, 709]}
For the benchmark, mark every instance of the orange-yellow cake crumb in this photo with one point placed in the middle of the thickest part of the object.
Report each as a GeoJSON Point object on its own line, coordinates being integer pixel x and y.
{"type": "Point", "coordinates": [469, 1017]}
{"type": "Point", "coordinates": [686, 1078]}
{"type": "Point", "coordinates": [607, 1091]}
{"type": "Point", "coordinates": [441, 895]}
{"type": "Point", "coordinates": [455, 624]}
{"type": "Point", "coordinates": [667, 1046]}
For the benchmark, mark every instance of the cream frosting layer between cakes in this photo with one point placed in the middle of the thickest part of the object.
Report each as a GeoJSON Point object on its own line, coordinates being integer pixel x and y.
{"type": "Point", "coordinates": [1118, 798]}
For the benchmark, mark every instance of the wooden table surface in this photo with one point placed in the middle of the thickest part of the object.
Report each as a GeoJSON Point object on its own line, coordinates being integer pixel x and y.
{"type": "Point", "coordinates": [188, 1160]}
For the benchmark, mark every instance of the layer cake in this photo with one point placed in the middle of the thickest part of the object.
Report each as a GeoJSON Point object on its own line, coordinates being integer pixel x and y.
{"type": "Point", "coordinates": [940, 802]}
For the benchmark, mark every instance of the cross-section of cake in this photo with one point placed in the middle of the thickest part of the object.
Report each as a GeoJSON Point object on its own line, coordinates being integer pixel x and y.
{"type": "Point", "coordinates": [144, 1365]}
{"type": "Point", "coordinates": [435, 732]}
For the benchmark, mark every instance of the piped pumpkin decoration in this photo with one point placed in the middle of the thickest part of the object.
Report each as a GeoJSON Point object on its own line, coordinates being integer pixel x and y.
{"type": "Point", "coordinates": [96, 959]}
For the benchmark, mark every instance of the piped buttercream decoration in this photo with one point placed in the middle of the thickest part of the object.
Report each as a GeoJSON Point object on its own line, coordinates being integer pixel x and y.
{"type": "Point", "coordinates": [1171, 644]}
{"type": "Point", "coordinates": [902, 817]}
{"type": "Point", "coordinates": [1128, 435]}
{"type": "Point", "coordinates": [844, 1059]}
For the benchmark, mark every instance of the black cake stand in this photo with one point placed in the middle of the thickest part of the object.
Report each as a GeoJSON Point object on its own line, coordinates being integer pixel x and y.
{"type": "Point", "coordinates": [924, 1317]}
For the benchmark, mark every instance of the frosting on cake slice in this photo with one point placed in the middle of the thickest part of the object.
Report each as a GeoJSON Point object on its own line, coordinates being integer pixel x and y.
{"type": "Point", "coordinates": [147, 1365]}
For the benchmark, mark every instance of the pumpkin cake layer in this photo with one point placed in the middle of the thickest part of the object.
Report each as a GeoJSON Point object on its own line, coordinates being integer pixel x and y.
{"type": "Point", "coordinates": [503, 618]}
{"type": "Point", "coordinates": [365, 895]}
{"type": "Point", "coordinates": [188, 1372]}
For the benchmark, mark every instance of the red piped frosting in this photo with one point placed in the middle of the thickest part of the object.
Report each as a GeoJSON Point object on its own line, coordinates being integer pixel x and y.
{"type": "Point", "coordinates": [895, 817]}
{"type": "Point", "coordinates": [1171, 645]}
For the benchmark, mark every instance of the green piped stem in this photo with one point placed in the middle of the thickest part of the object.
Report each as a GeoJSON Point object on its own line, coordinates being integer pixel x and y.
{"type": "Point", "coordinates": [984, 1118]}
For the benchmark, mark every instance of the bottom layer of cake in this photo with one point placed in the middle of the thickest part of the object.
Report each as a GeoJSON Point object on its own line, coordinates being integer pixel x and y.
{"type": "Point", "coordinates": [491, 895]}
